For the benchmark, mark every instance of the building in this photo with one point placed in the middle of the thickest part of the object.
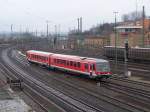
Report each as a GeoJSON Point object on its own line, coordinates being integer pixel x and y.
{"type": "Point", "coordinates": [133, 33]}
{"type": "Point", "coordinates": [96, 41]}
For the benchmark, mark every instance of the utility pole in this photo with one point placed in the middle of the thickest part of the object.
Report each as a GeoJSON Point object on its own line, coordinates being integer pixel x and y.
{"type": "Point", "coordinates": [36, 33]}
{"type": "Point", "coordinates": [11, 28]}
{"type": "Point", "coordinates": [143, 31]}
{"type": "Point", "coordinates": [126, 58]}
{"type": "Point", "coordinates": [136, 4]}
{"type": "Point", "coordinates": [55, 37]}
{"type": "Point", "coordinates": [59, 30]}
{"type": "Point", "coordinates": [80, 24]}
{"type": "Point", "coordinates": [56, 30]}
{"type": "Point", "coordinates": [21, 36]}
{"type": "Point", "coordinates": [116, 41]}
{"type": "Point", "coordinates": [47, 27]}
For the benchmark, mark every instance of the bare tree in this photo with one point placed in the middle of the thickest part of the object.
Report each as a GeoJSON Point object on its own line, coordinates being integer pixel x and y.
{"type": "Point", "coordinates": [132, 16]}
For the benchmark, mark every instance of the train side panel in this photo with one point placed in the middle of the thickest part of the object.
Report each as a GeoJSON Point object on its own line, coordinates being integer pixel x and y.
{"type": "Point", "coordinates": [74, 64]}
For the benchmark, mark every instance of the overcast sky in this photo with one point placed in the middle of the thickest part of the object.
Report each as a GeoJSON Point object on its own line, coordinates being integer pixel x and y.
{"type": "Point", "coordinates": [32, 14]}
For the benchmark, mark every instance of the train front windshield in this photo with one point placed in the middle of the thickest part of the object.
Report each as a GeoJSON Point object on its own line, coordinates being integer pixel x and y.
{"type": "Point", "coordinates": [103, 66]}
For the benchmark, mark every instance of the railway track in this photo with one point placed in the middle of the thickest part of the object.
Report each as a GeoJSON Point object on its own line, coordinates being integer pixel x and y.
{"type": "Point", "coordinates": [70, 104]}
{"type": "Point", "coordinates": [83, 88]}
{"type": "Point", "coordinates": [132, 84]}
{"type": "Point", "coordinates": [137, 69]}
{"type": "Point", "coordinates": [133, 64]}
{"type": "Point", "coordinates": [11, 74]}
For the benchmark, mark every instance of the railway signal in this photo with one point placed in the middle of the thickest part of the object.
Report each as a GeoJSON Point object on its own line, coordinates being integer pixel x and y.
{"type": "Point", "coordinates": [126, 59]}
{"type": "Point", "coordinates": [126, 50]}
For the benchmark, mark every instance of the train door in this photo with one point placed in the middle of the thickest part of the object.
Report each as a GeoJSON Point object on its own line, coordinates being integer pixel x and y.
{"type": "Point", "coordinates": [86, 67]}
{"type": "Point", "coordinates": [92, 69]}
{"type": "Point", "coordinates": [49, 60]}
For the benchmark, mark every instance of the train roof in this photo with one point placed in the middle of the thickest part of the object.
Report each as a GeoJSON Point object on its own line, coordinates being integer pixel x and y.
{"type": "Point", "coordinates": [40, 52]}
{"type": "Point", "coordinates": [78, 58]}
{"type": "Point", "coordinates": [72, 57]}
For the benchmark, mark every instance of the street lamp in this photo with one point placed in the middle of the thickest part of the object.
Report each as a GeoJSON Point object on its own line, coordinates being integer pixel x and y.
{"type": "Point", "coordinates": [115, 13]}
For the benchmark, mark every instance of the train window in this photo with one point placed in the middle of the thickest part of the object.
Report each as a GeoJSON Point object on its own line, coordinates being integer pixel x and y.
{"type": "Point", "coordinates": [75, 64]}
{"type": "Point", "coordinates": [58, 61]}
{"type": "Point", "coordinates": [71, 63]}
{"type": "Point", "coordinates": [92, 67]}
{"type": "Point", "coordinates": [78, 64]}
{"type": "Point", "coordinates": [64, 62]}
{"type": "Point", "coordinates": [61, 61]}
{"type": "Point", "coordinates": [54, 60]}
{"type": "Point", "coordinates": [86, 66]}
{"type": "Point", "coordinates": [67, 63]}
{"type": "Point", "coordinates": [44, 58]}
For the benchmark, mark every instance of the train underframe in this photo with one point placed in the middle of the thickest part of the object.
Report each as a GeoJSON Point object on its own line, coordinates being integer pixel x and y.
{"type": "Point", "coordinates": [98, 77]}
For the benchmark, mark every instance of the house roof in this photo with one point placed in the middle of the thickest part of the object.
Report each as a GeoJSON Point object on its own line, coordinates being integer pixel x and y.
{"type": "Point", "coordinates": [129, 27]}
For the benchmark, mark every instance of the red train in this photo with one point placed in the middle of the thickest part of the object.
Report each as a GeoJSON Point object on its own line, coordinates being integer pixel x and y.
{"type": "Point", "coordinates": [94, 68]}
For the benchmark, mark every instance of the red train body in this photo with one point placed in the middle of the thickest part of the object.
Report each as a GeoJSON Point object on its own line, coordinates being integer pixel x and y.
{"type": "Point", "coordinates": [94, 68]}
